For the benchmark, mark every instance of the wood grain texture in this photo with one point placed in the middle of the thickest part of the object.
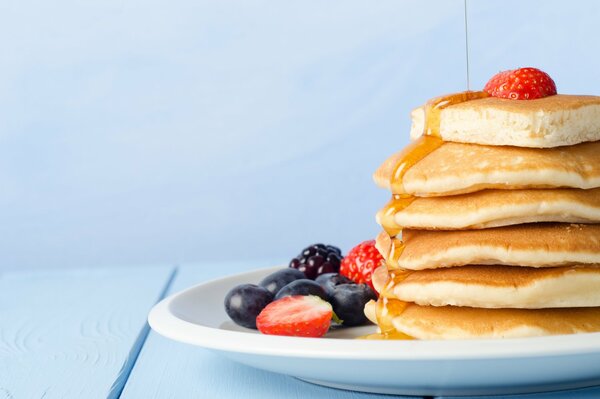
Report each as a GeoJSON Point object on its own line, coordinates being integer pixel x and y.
{"type": "Point", "coordinates": [73, 333]}
{"type": "Point", "coordinates": [585, 393]}
{"type": "Point", "coordinates": [168, 369]}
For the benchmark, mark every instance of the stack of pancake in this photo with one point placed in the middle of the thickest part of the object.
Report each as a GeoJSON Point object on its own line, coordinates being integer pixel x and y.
{"type": "Point", "coordinates": [495, 231]}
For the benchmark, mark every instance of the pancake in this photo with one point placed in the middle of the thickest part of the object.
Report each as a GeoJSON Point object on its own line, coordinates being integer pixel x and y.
{"type": "Point", "coordinates": [452, 322]}
{"type": "Point", "coordinates": [370, 311]}
{"type": "Point", "coordinates": [383, 242]}
{"type": "Point", "coordinates": [552, 121]}
{"type": "Point", "coordinates": [494, 208]}
{"type": "Point", "coordinates": [534, 245]}
{"type": "Point", "coordinates": [456, 168]}
{"type": "Point", "coordinates": [379, 277]}
{"type": "Point", "coordinates": [492, 286]}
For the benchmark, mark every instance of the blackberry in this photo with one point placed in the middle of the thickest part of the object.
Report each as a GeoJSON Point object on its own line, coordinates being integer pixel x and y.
{"type": "Point", "coordinates": [318, 259]}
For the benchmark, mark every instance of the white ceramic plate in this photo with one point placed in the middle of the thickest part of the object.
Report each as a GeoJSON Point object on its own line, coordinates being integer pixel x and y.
{"type": "Point", "coordinates": [467, 367]}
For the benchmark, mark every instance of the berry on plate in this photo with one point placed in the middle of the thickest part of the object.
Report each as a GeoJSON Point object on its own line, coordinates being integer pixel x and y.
{"type": "Point", "coordinates": [317, 259]}
{"type": "Point", "coordinates": [521, 84]}
{"type": "Point", "coordinates": [360, 263]}
{"type": "Point", "coordinates": [348, 302]}
{"type": "Point", "coordinates": [302, 287]}
{"type": "Point", "coordinates": [244, 302]}
{"type": "Point", "coordinates": [299, 316]}
{"type": "Point", "coordinates": [329, 281]}
{"type": "Point", "coordinates": [276, 281]}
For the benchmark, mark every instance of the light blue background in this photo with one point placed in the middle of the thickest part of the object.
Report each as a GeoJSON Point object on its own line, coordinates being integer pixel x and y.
{"type": "Point", "coordinates": [175, 131]}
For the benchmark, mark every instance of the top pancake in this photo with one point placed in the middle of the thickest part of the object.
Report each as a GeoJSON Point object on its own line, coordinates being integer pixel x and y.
{"type": "Point", "coordinates": [552, 121]}
{"type": "Point", "coordinates": [456, 168]}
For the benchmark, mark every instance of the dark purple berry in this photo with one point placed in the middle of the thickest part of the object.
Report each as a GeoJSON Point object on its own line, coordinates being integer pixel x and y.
{"type": "Point", "coordinates": [331, 280]}
{"type": "Point", "coordinates": [302, 287]}
{"type": "Point", "coordinates": [331, 248]}
{"type": "Point", "coordinates": [317, 259]}
{"type": "Point", "coordinates": [244, 302]}
{"type": "Point", "coordinates": [348, 302]}
{"type": "Point", "coordinates": [325, 268]}
{"type": "Point", "coordinates": [276, 281]}
{"type": "Point", "coordinates": [310, 251]}
{"type": "Point", "coordinates": [309, 272]}
{"type": "Point", "coordinates": [334, 259]}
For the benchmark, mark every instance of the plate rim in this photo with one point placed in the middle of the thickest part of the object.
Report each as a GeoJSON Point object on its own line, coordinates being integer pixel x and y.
{"type": "Point", "coordinates": [162, 320]}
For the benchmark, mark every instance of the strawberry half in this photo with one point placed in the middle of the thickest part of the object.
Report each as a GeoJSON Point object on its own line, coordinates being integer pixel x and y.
{"type": "Point", "coordinates": [360, 263]}
{"type": "Point", "coordinates": [298, 316]}
{"type": "Point", "coordinates": [521, 84]}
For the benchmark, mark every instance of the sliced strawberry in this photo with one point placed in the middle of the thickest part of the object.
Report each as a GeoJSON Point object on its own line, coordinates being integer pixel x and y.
{"type": "Point", "coordinates": [299, 316]}
{"type": "Point", "coordinates": [521, 84]}
{"type": "Point", "coordinates": [360, 263]}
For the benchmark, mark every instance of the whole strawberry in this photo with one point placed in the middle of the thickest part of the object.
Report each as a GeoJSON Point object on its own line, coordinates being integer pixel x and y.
{"type": "Point", "coordinates": [299, 316]}
{"type": "Point", "coordinates": [360, 263]}
{"type": "Point", "coordinates": [521, 84]}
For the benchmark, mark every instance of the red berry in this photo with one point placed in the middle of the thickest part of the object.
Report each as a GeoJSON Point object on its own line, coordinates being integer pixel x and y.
{"type": "Point", "coordinates": [521, 84]}
{"type": "Point", "coordinates": [298, 316]}
{"type": "Point", "coordinates": [360, 263]}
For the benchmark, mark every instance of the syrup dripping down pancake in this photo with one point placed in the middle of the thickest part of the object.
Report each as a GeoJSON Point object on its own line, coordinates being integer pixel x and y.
{"type": "Point", "coordinates": [494, 208]}
{"type": "Point", "coordinates": [456, 168]}
{"type": "Point", "coordinates": [533, 245]}
{"type": "Point", "coordinates": [493, 286]}
{"type": "Point", "coordinates": [453, 322]}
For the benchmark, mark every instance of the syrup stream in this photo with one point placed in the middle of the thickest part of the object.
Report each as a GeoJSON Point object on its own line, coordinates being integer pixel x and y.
{"type": "Point", "coordinates": [467, 45]}
{"type": "Point", "coordinates": [387, 307]}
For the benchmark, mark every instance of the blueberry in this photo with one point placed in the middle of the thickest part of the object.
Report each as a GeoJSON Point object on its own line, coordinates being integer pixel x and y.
{"type": "Point", "coordinates": [329, 281]}
{"type": "Point", "coordinates": [276, 281]}
{"type": "Point", "coordinates": [302, 287]}
{"type": "Point", "coordinates": [244, 302]}
{"type": "Point", "coordinates": [348, 302]}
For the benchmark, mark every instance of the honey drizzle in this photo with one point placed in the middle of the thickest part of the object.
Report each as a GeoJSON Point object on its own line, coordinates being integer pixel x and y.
{"type": "Point", "coordinates": [394, 278]}
{"type": "Point", "coordinates": [388, 213]}
{"type": "Point", "coordinates": [410, 156]}
{"type": "Point", "coordinates": [387, 309]}
{"type": "Point", "coordinates": [429, 141]}
{"type": "Point", "coordinates": [396, 250]}
{"type": "Point", "coordinates": [391, 335]}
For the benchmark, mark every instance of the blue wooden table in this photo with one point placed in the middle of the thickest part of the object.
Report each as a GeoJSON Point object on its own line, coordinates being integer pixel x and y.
{"type": "Point", "coordinates": [83, 334]}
